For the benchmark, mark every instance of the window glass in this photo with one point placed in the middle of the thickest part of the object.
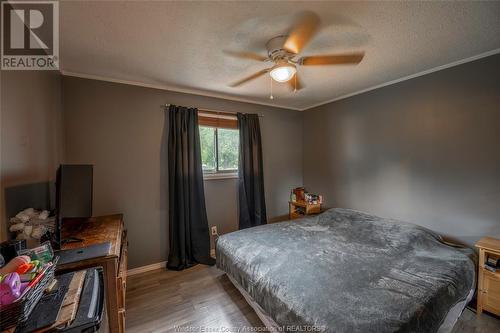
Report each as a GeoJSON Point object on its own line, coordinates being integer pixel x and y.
{"type": "Point", "coordinates": [208, 154]}
{"type": "Point", "coordinates": [219, 149]}
{"type": "Point", "coordinates": [228, 143]}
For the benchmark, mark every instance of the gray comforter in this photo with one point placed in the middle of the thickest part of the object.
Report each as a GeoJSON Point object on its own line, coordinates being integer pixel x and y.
{"type": "Point", "coordinates": [347, 271]}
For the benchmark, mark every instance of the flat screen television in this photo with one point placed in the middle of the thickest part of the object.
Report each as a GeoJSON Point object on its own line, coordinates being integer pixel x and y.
{"type": "Point", "coordinates": [74, 187]}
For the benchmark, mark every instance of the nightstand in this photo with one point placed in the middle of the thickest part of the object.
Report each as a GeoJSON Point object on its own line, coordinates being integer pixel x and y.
{"type": "Point", "coordinates": [488, 294]}
{"type": "Point", "coordinates": [299, 209]}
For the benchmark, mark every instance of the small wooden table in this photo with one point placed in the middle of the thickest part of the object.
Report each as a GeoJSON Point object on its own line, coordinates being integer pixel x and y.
{"type": "Point", "coordinates": [299, 209]}
{"type": "Point", "coordinates": [98, 230]}
{"type": "Point", "coordinates": [488, 295]}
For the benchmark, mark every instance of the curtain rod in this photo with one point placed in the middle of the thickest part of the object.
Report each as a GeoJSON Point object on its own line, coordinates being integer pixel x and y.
{"type": "Point", "coordinates": [216, 111]}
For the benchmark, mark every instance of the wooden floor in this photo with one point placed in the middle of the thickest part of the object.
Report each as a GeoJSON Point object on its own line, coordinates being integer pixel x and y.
{"type": "Point", "coordinates": [203, 297]}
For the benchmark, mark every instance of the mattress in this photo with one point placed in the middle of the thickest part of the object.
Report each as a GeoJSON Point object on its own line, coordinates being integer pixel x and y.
{"type": "Point", "coordinates": [446, 326]}
{"type": "Point", "coordinates": [348, 271]}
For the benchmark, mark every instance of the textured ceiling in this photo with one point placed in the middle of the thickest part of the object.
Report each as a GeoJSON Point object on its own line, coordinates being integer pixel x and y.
{"type": "Point", "coordinates": [179, 44]}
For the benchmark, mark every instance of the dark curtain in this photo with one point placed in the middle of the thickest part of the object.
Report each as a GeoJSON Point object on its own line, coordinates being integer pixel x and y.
{"type": "Point", "coordinates": [251, 175]}
{"type": "Point", "coordinates": [188, 225]}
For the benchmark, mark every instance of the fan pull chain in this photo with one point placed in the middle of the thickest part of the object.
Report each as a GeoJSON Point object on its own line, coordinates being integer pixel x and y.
{"type": "Point", "coordinates": [271, 97]}
{"type": "Point", "coordinates": [295, 87]}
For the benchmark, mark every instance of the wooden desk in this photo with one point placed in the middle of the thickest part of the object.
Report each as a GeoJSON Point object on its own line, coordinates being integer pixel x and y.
{"type": "Point", "coordinates": [99, 230]}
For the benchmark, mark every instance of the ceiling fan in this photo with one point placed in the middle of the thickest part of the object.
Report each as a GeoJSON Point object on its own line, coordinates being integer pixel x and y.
{"type": "Point", "coordinates": [284, 51]}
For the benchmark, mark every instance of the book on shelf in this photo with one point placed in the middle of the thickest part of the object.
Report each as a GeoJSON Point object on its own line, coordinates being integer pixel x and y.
{"type": "Point", "coordinates": [490, 268]}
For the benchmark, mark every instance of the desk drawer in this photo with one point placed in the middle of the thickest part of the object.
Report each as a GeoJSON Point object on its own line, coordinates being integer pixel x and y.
{"type": "Point", "coordinates": [491, 293]}
{"type": "Point", "coordinates": [122, 273]}
{"type": "Point", "coordinates": [121, 320]}
{"type": "Point", "coordinates": [122, 268]}
{"type": "Point", "coordinates": [120, 293]}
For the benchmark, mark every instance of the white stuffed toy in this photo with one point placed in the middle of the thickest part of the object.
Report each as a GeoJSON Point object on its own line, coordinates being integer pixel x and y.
{"type": "Point", "coordinates": [31, 224]}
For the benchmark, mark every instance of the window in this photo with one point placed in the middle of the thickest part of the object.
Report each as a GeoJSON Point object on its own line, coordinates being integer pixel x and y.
{"type": "Point", "coordinates": [219, 140]}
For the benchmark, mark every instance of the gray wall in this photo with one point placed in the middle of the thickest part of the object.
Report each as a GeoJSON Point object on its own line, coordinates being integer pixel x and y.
{"type": "Point", "coordinates": [424, 150]}
{"type": "Point", "coordinates": [31, 131]}
{"type": "Point", "coordinates": [119, 129]}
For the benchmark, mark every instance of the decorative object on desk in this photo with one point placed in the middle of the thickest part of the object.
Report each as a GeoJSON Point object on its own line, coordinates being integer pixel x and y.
{"type": "Point", "coordinates": [20, 308]}
{"type": "Point", "coordinates": [31, 224]}
{"type": "Point", "coordinates": [299, 193]}
{"type": "Point", "coordinates": [491, 263]}
{"type": "Point", "coordinates": [13, 264]}
{"type": "Point", "coordinates": [313, 199]}
{"type": "Point", "coordinates": [492, 260]}
{"type": "Point", "coordinates": [43, 253]}
{"type": "Point", "coordinates": [10, 248]}
{"type": "Point", "coordinates": [10, 288]}
{"type": "Point", "coordinates": [490, 268]}
{"type": "Point", "coordinates": [28, 267]}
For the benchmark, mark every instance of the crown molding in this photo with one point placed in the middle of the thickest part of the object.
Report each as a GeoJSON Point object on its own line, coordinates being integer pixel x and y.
{"type": "Point", "coordinates": [174, 89]}
{"type": "Point", "coordinates": [409, 77]}
{"type": "Point", "coordinates": [247, 100]}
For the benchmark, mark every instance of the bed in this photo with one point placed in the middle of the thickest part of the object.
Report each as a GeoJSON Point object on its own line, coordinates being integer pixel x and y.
{"type": "Point", "coordinates": [348, 271]}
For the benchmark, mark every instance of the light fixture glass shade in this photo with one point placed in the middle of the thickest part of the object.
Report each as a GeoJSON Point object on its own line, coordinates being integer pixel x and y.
{"type": "Point", "coordinates": [283, 73]}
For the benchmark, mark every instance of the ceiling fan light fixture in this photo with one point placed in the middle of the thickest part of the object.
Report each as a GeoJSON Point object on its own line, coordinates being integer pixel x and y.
{"type": "Point", "coordinates": [283, 72]}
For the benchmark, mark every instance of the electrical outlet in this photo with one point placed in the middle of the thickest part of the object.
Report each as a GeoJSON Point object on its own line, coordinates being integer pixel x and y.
{"type": "Point", "coordinates": [214, 230]}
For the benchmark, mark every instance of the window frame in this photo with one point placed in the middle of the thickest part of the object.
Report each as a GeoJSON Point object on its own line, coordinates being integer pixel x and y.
{"type": "Point", "coordinates": [218, 121]}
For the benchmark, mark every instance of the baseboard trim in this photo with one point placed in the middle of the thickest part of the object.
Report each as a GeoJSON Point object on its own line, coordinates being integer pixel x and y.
{"type": "Point", "coordinates": [279, 218]}
{"type": "Point", "coordinates": [147, 268]}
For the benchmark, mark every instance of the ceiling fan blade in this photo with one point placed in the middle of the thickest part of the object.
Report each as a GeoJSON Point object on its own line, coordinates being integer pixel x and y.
{"type": "Point", "coordinates": [295, 83]}
{"type": "Point", "coordinates": [245, 55]}
{"type": "Point", "coordinates": [249, 78]}
{"type": "Point", "coordinates": [302, 32]}
{"type": "Point", "coordinates": [340, 59]}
